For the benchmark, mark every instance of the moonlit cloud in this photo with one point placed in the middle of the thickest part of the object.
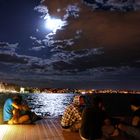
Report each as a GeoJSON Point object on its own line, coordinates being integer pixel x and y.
{"type": "Point", "coordinates": [32, 37]}
{"type": "Point", "coordinates": [38, 48]}
{"type": "Point", "coordinates": [106, 28]}
{"type": "Point", "coordinates": [8, 53]}
{"type": "Point", "coordinates": [42, 9]}
{"type": "Point", "coordinates": [78, 42]}
{"type": "Point", "coordinates": [8, 48]}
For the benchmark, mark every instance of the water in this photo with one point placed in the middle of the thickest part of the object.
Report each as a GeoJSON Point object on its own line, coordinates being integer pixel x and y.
{"type": "Point", "coordinates": [53, 105]}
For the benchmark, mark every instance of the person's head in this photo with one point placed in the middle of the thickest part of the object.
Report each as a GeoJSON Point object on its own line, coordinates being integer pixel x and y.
{"type": "Point", "coordinates": [17, 99]}
{"type": "Point", "coordinates": [97, 102]}
{"type": "Point", "coordinates": [107, 122]}
{"type": "Point", "coordinates": [79, 100]}
{"type": "Point", "coordinates": [134, 104]}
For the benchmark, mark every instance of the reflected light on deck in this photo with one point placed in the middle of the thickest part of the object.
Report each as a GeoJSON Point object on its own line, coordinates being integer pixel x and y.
{"type": "Point", "coordinates": [3, 130]}
{"type": "Point", "coordinates": [7, 131]}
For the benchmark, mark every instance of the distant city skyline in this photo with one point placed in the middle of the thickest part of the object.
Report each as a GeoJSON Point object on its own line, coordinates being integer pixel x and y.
{"type": "Point", "coordinates": [70, 44]}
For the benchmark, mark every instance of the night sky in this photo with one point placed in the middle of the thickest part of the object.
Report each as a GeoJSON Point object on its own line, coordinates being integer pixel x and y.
{"type": "Point", "coordinates": [95, 45]}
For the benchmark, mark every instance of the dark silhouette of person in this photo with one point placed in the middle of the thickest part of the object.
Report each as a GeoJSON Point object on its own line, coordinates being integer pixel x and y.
{"type": "Point", "coordinates": [92, 120]}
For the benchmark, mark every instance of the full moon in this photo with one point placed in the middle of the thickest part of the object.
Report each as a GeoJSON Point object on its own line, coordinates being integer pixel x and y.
{"type": "Point", "coordinates": [54, 24]}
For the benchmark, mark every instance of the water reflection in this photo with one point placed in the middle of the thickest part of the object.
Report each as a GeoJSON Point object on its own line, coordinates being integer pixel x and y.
{"type": "Point", "coordinates": [51, 105]}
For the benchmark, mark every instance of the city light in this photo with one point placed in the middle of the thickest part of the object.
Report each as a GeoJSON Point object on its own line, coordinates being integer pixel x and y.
{"type": "Point", "coordinates": [7, 88]}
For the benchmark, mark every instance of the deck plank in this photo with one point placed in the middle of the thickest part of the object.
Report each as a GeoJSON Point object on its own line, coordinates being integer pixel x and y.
{"type": "Point", "coordinates": [47, 129]}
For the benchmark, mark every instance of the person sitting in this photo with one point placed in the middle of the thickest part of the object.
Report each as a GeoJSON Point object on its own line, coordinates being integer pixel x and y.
{"type": "Point", "coordinates": [133, 129]}
{"type": "Point", "coordinates": [135, 107]}
{"type": "Point", "coordinates": [71, 119]}
{"type": "Point", "coordinates": [93, 119]}
{"type": "Point", "coordinates": [15, 112]}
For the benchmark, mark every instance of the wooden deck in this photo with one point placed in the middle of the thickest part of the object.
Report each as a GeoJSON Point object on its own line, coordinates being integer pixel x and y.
{"type": "Point", "coordinates": [47, 129]}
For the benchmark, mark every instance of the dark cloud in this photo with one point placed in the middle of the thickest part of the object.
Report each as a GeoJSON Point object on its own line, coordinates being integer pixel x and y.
{"type": "Point", "coordinates": [11, 59]}
{"type": "Point", "coordinates": [117, 33]}
{"type": "Point", "coordinates": [105, 29]}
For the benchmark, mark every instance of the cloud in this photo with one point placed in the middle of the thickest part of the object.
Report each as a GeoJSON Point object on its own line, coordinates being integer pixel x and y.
{"type": "Point", "coordinates": [114, 5]}
{"type": "Point", "coordinates": [7, 48]}
{"type": "Point", "coordinates": [42, 9]}
{"type": "Point", "coordinates": [67, 56]}
{"type": "Point", "coordinates": [92, 78]}
{"type": "Point", "coordinates": [8, 53]}
{"type": "Point", "coordinates": [106, 31]}
{"type": "Point", "coordinates": [71, 10]}
{"type": "Point", "coordinates": [38, 48]}
{"type": "Point", "coordinates": [8, 58]}
{"type": "Point", "coordinates": [94, 46]}
{"type": "Point", "coordinates": [26, 63]}
{"type": "Point", "coordinates": [33, 38]}
{"type": "Point", "coordinates": [67, 8]}
{"type": "Point", "coordinates": [79, 47]}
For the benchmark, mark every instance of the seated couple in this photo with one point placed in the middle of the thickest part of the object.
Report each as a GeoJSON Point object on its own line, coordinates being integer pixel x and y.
{"type": "Point", "coordinates": [15, 112]}
{"type": "Point", "coordinates": [92, 121]}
